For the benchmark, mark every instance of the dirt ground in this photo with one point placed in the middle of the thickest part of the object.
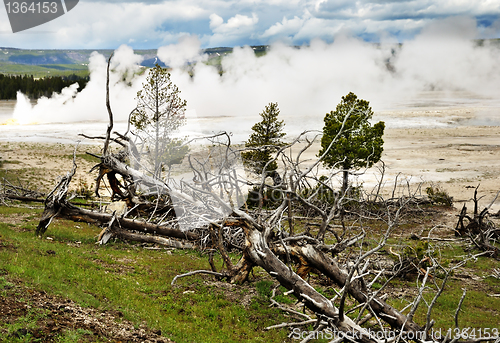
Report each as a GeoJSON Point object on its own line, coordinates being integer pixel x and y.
{"type": "Point", "coordinates": [58, 315]}
{"type": "Point", "coordinates": [40, 165]}
{"type": "Point", "coordinates": [457, 159]}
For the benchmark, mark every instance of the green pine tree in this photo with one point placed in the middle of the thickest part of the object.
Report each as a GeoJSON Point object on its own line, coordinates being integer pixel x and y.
{"type": "Point", "coordinates": [266, 138]}
{"type": "Point", "coordinates": [356, 143]}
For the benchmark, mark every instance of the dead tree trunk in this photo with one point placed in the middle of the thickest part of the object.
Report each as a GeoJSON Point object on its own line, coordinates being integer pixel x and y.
{"type": "Point", "coordinates": [357, 289]}
{"type": "Point", "coordinates": [259, 252]}
{"type": "Point", "coordinates": [480, 230]}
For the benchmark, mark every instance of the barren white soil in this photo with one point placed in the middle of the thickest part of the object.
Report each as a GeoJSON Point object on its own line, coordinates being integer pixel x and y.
{"type": "Point", "coordinates": [438, 145]}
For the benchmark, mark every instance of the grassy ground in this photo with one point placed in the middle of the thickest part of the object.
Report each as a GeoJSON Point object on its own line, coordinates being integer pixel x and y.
{"type": "Point", "coordinates": [127, 278]}
{"type": "Point", "coordinates": [134, 281]}
{"type": "Point", "coordinates": [39, 71]}
{"type": "Point", "coordinates": [65, 288]}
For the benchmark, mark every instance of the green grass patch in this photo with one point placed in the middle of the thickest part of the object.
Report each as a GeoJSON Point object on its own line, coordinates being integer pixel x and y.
{"type": "Point", "coordinates": [31, 212]}
{"type": "Point", "coordinates": [2, 162]}
{"type": "Point", "coordinates": [20, 330]}
{"type": "Point", "coordinates": [135, 281]}
{"type": "Point", "coordinates": [73, 336]}
{"type": "Point", "coordinates": [86, 157]}
{"type": "Point", "coordinates": [127, 278]}
{"type": "Point", "coordinates": [39, 71]}
{"type": "Point", "coordinates": [479, 309]}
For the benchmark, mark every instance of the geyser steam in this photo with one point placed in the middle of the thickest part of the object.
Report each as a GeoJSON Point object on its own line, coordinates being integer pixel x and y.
{"type": "Point", "coordinates": [306, 82]}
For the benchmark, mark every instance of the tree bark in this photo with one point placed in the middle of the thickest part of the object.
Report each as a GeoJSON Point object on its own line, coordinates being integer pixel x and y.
{"type": "Point", "coordinates": [259, 252]}
{"type": "Point", "coordinates": [81, 214]}
{"type": "Point", "coordinates": [138, 237]}
{"type": "Point", "coordinates": [357, 289]}
{"type": "Point", "coordinates": [345, 180]}
{"type": "Point", "coordinates": [242, 270]}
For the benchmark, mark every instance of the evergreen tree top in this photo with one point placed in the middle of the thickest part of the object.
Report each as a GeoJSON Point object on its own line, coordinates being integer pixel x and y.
{"type": "Point", "coordinates": [269, 130]}
{"type": "Point", "coordinates": [357, 143]}
{"type": "Point", "coordinates": [266, 136]}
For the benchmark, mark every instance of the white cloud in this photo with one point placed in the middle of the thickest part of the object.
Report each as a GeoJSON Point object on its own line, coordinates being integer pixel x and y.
{"type": "Point", "coordinates": [231, 32]}
{"type": "Point", "coordinates": [104, 25]}
{"type": "Point", "coordinates": [114, 23]}
{"type": "Point", "coordinates": [215, 21]}
{"type": "Point", "coordinates": [237, 23]}
{"type": "Point", "coordinates": [284, 28]}
{"type": "Point", "coordinates": [149, 24]}
{"type": "Point", "coordinates": [400, 9]}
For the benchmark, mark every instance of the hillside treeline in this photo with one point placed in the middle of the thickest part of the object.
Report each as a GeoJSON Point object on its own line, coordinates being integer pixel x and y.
{"type": "Point", "coordinates": [36, 88]}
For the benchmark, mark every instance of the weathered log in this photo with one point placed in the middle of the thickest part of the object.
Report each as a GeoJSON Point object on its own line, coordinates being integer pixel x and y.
{"type": "Point", "coordinates": [80, 214]}
{"type": "Point", "coordinates": [31, 199]}
{"type": "Point", "coordinates": [56, 199]}
{"type": "Point", "coordinates": [260, 253]}
{"type": "Point", "coordinates": [108, 107]}
{"type": "Point", "coordinates": [242, 269]}
{"type": "Point", "coordinates": [479, 229]}
{"type": "Point", "coordinates": [460, 227]}
{"type": "Point", "coordinates": [139, 237]}
{"type": "Point", "coordinates": [482, 241]}
{"type": "Point", "coordinates": [112, 163]}
{"type": "Point", "coordinates": [219, 275]}
{"type": "Point", "coordinates": [357, 289]}
{"type": "Point", "coordinates": [21, 198]}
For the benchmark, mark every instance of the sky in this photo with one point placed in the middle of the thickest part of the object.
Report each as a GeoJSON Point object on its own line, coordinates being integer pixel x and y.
{"type": "Point", "coordinates": [216, 23]}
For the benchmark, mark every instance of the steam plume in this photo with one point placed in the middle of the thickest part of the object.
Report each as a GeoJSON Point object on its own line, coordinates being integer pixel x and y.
{"type": "Point", "coordinates": [306, 82]}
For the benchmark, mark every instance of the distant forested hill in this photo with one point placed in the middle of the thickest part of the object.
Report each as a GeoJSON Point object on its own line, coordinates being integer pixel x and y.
{"type": "Point", "coordinates": [39, 73]}
{"type": "Point", "coordinates": [40, 63]}
{"type": "Point", "coordinates": [36, 88]}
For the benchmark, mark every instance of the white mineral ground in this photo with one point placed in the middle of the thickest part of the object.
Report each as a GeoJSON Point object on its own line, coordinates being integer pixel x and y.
{"type": "Point", "coordinates": [453, 153]}
{"type": "Point", "coordinates": [455, 147]}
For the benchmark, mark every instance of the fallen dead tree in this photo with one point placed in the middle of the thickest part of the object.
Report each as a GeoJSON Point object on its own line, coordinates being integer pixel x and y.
{"type": "Point", "coordinates": [482, 232]}
{"type": "Point", "coordinates": [210, 213]}
{"type": "Point", "coordinates": [356, 288]}
{"type": "Point", "coordinates": [10, 191]}
{"type": "Point", "coordinates": [56, 205]}
{"type": "Point", "coordinates": [67, 210]}
{"type": "Point", "coordinates": [263, 247]}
